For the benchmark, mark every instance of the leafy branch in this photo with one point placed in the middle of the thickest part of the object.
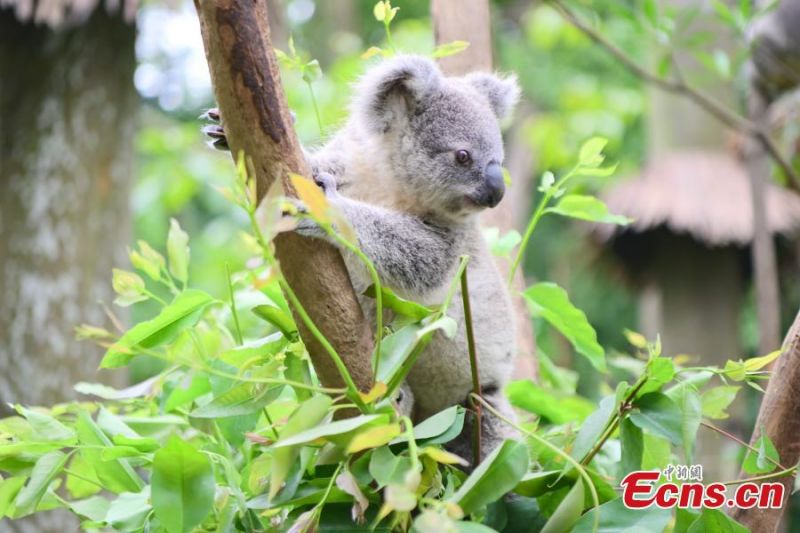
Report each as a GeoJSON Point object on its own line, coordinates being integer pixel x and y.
{"type": "Point", "coordinates": [679, 85]}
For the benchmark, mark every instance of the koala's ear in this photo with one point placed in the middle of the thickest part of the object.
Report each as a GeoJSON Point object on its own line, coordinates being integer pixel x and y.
{"type": "Point", "coordinates": [502, 92]}
{"type": "Point", "coordinates": [394, 88]}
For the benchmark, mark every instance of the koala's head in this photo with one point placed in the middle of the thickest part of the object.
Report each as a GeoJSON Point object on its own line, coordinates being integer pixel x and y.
{"type": "Point", "coordinates": [440, 134]}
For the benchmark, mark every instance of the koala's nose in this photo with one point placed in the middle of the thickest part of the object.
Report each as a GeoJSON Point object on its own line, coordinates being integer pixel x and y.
{"type": "Point", "coordinates": [494, 185]}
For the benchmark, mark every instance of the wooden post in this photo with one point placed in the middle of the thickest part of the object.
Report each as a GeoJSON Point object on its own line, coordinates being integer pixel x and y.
{"type": "Point", "coordinates": [455, 20]}
{"type": "Point", "coordinates": [247, 86]}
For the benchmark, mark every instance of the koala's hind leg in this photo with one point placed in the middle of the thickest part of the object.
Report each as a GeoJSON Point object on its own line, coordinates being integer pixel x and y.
{"type": "Point", "coordinates": [493, 430]}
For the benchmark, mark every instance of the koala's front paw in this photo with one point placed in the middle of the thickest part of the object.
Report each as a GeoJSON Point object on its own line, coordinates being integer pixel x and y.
{"type": "Point", "coordinates": [215, 131]}
{"type": "Point", "coordinates": [305, 226]}
{"type": "Point", "coordinates": [327, 183]}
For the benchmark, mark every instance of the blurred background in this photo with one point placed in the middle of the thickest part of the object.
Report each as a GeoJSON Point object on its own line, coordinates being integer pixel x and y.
{"type": "Point", "coordinates": [101, 146]}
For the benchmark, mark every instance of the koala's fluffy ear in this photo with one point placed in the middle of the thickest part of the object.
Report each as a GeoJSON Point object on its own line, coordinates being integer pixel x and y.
{"type": "Point", "coordinates": [502, 92]}
{"type": "Point", "coordinates": [391, 90]}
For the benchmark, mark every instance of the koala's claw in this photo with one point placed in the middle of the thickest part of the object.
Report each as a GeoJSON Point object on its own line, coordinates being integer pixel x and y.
{"type": "Point", "coordinates": [210, 114]}
{"type": "Point", "coordinates": [215, 131]}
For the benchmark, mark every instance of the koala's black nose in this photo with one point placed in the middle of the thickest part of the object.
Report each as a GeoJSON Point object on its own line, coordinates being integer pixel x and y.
{"type": "Point", "coordinates": [494, 185]}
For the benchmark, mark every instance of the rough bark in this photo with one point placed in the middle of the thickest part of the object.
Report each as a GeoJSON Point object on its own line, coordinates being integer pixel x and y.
{"type": "Point", "coordinates": [247, 86]}
{"type": "Point", "coordinates": [470, 21]}
{"type": "Point", "coordinates": [66, 157]}
{"type": "Point", "coordinates": [778, 418]}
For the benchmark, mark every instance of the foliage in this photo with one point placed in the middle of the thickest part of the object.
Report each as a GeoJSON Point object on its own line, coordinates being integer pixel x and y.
{"type": "Point", "coordinates": [234, 432]}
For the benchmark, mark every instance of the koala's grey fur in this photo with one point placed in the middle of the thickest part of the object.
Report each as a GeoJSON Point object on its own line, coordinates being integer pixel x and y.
{"type": "Point", "coordinates": [392, 172]}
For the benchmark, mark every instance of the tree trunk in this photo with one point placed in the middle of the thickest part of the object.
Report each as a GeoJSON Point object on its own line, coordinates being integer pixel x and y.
{"type": "Point", "coordinates": [470, 21]}
{"type": "Point", "coordinates": [248, 89]}
{"type": "Point", "coordinates": [778, 418]}
{"type": "Point", "coordinates": [66, 154]}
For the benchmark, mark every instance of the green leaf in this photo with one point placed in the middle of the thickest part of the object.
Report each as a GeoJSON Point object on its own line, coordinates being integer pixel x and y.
{"type": "Point", "coordinates": [551, 302]}
{"type": "Point", "coordinates": [115, 475]}
{"type": "Point", "coordinates": [568, 511]}
{"type": "Point", "coordinates": [128, 286]}
{"type": "Point", "coordinates": [307, 415]}
{"type": "Point", "coordinates": [558, 408]}
{"type": "Point", "coordinates": [659, 415]}
{"type": "Point", "coordinates": [630, 436]}
{"type": "Point", "coordinates": [145, 445]}
{"type": "Point", "coordinates": [9, 488]}
{"type": "Point", "coordinates": [501, 246]}
{"type": "Point", "coordinates": [656, 453]}
{"type": "Point", "coordinates": [450, 49]}
{"type": "Point", "coordinates": [537, 483]}
{"type": "Point", "coordinates": [184, 312]}
{"type": "Point", "coordinates": [373, 437]}
{"type": "Point", "coordinates": [182, 486]}
{"type": "Point", "coordinates": [330, 429]}
{"type": "Point", "coordinates": [650, 10]}
{"type": "Point", "coordinates": [587, 208]}
{"type": "Point", "coordinates": [691, 416]}
{"type": "Point", "coordinates": [495, 476]}
{"type": "Point", "coordinates": [388, 468]}
{"type": "Point", "coordinates": [278, 318]}
{"type": "Point", "coordinates": [435, 425]}
{"type": "Point", "coordinates": [761, 462]}
{"type": "Point", "coordinates": [590, 154]}
{"type": "Point", "coordinates": [242, 399]}
{"type": "Point", "coordinates": [178, 251]}
{"type": "Point", "coordinates": [379, 11]}
{"type": "Point", "coordinates": [615, 517]}
{"type": "Point", "coordinates": [311, 71]}
{"type": "Point", "coordinates": [398, 304]}
{"type": "Point", "coordinates": [45, 427]}
{"type": "Point", "coordinates": [147, 260]}
{"type": "Point", "coordinates": [44, 472]}
{"type": "Point", "coordinates": [715, 521]}
{"type": "Point", "coordinates": [593, 427]}
{"type": "Point", "coordinates": [94, 508]}
{"type": "Point", "coordinates": [129, 511]}
{"type": "Point", "coordinates": [717, 399]}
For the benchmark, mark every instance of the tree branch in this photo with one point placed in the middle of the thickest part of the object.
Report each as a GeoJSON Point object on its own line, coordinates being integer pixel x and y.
{"type": "Point", "coordinates": [247, 86]}
{"type": "Point", "coordinates": [778, 418]}
{"type": "Point", "coordinates": [679, 86]}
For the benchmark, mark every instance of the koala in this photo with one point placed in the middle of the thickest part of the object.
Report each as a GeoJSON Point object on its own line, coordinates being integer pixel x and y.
{"type": "Point", "coordinates": [418, 159]}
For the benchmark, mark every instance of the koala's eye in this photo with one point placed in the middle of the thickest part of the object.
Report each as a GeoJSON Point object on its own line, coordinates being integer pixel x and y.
{"type": "Point", "coordinates": [463, 157]}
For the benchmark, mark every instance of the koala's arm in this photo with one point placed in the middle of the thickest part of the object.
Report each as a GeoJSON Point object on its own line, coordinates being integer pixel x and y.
{"type": "Point", "coordinates": [407, 252]}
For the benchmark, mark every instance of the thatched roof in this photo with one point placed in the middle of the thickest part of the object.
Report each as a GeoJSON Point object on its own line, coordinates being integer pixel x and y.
{"type": "Point", "coordinates": [701, 193]}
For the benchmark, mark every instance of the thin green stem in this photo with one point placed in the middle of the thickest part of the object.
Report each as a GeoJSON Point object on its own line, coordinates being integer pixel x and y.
{"type": "Point", "coordinates": [541, 210]}
{"type": "Point", "coordinates": [155, 297]}
{"type": "Point", "coordinates": [473, 364]}
{"type": "Point", "coordinates": [774, 475]}
{"type": "Point", "coordinates": [234, 313]}
{"type": "Point", "coordinates": [316, 107]}
{"type": "Point", "coordinates": [389, 40]}
{"type": "Point", "coordinates": [555, 449]}
{"type": "Point", "coordinates": [739, 441]}
{"type": "Point", "coordinates": [244, 379]}
{"type": "Point", "coordinates": [615, 419]}
{"type": "Point", "coordinates": [408, 427]}
{"type": "Point", "coordinates": [271, 424]}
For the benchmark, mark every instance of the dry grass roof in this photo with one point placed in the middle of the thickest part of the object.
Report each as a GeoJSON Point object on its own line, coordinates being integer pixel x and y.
{"type": "Point", "coordinates": [702, 193]}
